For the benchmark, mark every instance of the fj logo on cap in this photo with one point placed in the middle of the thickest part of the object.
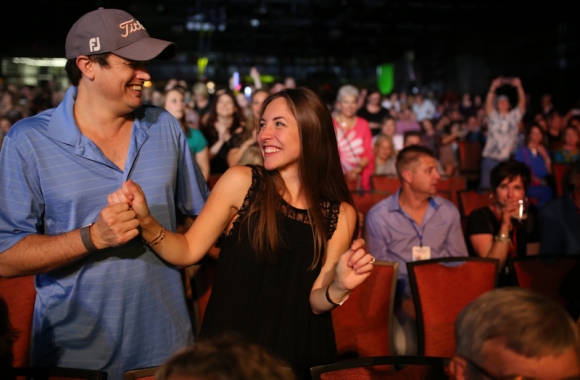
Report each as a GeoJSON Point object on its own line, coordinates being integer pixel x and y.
{"type": "Point", "coordinates": [130, 26]}
{"type": "Point", "coordinates": [94, 44]}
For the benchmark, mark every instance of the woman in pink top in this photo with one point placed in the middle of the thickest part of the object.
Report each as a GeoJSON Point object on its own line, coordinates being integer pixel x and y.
{"type": "Point", "coordinates": [354, 139]}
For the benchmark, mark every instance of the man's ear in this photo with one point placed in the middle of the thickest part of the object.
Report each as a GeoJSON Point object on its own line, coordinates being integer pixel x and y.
{"type": "Point", "coordinates": [458, 368]}
{"type": "Point", "coordinates": [86, 66]}
{"type": "Point", "coordinates": [407, 175]}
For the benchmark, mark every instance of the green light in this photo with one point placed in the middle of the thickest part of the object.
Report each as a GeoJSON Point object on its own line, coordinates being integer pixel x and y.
{"type": "Point", "coordinates": [386, 78]}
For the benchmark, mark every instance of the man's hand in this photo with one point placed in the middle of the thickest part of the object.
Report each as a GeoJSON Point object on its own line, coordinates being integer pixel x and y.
{"type": "Point", "coordinates": [116, 225]}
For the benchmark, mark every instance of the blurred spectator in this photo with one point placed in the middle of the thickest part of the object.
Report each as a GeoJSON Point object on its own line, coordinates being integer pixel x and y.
{"type": "Point", "coordinates": [174, 103]}
{"type": "Point", "coordinates": [502, 126]}
{"type": "Point", "coordinates": [7, 121]}
{"type": "Point", "coordinates": [8, 101]}
{"type": "Point", "coordinates": [560, 220]}
{"type": "Point", "coordinates": [226, 358]}
{"type": "Point", "coordinates": [201, 103]}
{"type": "Point", "coordinates": [491, 231]}
{"type": "Point", "coordinates": [289, 82]}
{"type": "Point", "coordinates": [277, 87]}
{"type": "Point", "coordinates": [429, 137]}
{"type": "Point", "coordinates": [546, 104]}
{"type": "Point", "coordinates": [474, 131]}
{"type": "Point", "coordinates": [223, 130]}
{"type": "Point", "coordinates": [423, 108]}
{"type": "Point", "coordinates": [385, 156]}
{"type": "Point", "coordinates": [372, 111]}
{"type": "Point", "coordinates": [354, 139]}
{"type": "Point", "coordinates": [392, 103]}
{"type": "Point", "coordinates": [555, 126]}
{"type": "Point", "coordinates": [537, 158]}
{"type": "Point", "coordinates": [569, 152]}
{"type": "Point", "coordinates": [448, 147]}
{"type": "Point", "coordinates": [413, 224]}
{"type": "Point", "coordinates": [407, 121]}
{"type": "Point", "coordinates": [515, 333]}
{"type": "Point", "coordinates": [466, 108]}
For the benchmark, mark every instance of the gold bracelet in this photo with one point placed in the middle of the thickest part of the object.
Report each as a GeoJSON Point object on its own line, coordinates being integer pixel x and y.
{"type": "Point", "coordinates": [157, 239]}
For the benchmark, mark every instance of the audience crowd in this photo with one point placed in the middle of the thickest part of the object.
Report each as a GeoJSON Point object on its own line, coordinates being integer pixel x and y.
{"type": "Point", "coordinates": [414, 137]}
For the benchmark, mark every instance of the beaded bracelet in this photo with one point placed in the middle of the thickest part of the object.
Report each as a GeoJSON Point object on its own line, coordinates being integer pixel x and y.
{"type": "Point", "coordinates": [157, 239]}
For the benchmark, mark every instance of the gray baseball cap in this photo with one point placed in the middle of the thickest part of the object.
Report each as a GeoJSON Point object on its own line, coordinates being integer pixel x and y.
{"type": "Point", "coordinates": [115, 31]}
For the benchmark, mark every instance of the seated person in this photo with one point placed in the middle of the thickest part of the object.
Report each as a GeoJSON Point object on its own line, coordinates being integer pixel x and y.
{"type": "Point", "coordinates": [491, 231]}
{"type": "Point", "coordinates": [385, 156]}
{"type": "Point", "coordinates": [413, 224]}
{"type": "Point", "coordinates": [560, 220]}
{"type": "Point", "coordinates": [569, 152]}
{"type": "Point", "coordinates": [535, 155]}
{"type": "Point", "coordinates": [226, 358]}
{"type": "Point", "coordinates": [514, 333]}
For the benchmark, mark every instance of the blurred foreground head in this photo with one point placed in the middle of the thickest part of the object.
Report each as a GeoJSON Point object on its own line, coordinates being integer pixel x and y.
{"type": "Point", "coordinates": [225, 358]}
{"type": "Point", "coordinates": [514, 333]}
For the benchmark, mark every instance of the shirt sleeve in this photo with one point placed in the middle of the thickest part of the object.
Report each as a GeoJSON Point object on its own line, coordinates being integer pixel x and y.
{"type": "Point", "coordinates": [376, 238]}
{"type": "Point", "coordinates": [478, 223]}
{"type": "Point", "coordinates": [21, 199]}
{"type": "Point", "coordinates": [455, 241]}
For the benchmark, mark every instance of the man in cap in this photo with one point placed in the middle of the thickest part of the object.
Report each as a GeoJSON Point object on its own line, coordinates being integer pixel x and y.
{"type": "Point", "coordinates": [502, 126]}
{"type": "Point", "coordinates": [104, 299]}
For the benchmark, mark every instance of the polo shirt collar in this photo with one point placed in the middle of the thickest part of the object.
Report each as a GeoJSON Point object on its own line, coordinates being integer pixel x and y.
{"type": "Point", "coordinates": [393, 202]}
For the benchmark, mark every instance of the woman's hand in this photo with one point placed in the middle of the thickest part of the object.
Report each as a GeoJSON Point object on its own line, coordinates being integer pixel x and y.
{"type": "Point", "coordinates": [131, 194]}
{"type": "Point", "coordinates": [511, 208]}
{"type": "Point", "coordinates": [353, 267]}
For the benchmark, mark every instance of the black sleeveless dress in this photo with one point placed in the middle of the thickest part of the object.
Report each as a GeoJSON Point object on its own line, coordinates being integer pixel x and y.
{"type": "Point", "coordinates": [267, 300]}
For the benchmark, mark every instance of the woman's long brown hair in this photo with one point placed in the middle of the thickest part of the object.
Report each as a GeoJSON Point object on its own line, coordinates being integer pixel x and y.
{"type": "Point", "coordinates": [320, 176]}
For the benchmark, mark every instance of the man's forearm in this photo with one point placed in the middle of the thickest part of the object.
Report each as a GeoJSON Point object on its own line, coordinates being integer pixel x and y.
{"type": "Point", "coordinates": [40, 254]}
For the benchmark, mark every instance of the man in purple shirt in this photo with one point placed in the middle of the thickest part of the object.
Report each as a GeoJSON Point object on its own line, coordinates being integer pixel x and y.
{"type": "Point", "coordinates": [413, 224]}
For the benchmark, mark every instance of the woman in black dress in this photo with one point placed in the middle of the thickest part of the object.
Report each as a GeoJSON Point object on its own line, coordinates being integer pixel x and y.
{"type": "Point", "coordinates": [288, 256]}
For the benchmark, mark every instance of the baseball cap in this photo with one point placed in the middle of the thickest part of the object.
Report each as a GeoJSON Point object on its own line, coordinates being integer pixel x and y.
{"type": "Point", "coordinates": [115, 31]}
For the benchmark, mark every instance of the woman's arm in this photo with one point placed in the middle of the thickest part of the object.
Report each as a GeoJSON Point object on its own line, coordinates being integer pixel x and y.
{"type": "Point", "coordinates": [490, 99]}
{"type": "Point", "coordinates": [487, 245]}
{"type": "Point", "coordinates": [345, 265]}
{"type": "Point", "coordinates": [220, 209]}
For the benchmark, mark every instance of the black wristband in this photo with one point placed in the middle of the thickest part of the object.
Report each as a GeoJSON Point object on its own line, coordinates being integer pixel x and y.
{"type": "Point", "coordinates": [86, 238]}
{"type": "Point", "coordinates": [331, 301]}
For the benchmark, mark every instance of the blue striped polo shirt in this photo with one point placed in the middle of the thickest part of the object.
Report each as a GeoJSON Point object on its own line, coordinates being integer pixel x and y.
{"type": "Point", "coordinates": [121, 308]}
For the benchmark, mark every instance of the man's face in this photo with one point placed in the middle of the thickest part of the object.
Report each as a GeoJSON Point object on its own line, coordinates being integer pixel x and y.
{"type": "Point", "coordinates": [121, 83]}
{"type": "Point", "coordinates": [500, 362]}
{"type": "Point", "coordinates": [424, 176]}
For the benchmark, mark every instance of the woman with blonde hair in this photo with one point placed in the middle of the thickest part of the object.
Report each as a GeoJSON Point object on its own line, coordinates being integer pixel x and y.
{"type": "Point", "coordinates": [385, 156]}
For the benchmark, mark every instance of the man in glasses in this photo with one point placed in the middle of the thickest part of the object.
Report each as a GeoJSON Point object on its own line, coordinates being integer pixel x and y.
{"type": "Point", "coordinates": [513, 333]}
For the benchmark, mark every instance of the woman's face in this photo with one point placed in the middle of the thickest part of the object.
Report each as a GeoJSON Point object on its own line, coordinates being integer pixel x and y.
{"type": "Point", "coordinates": [279, 137]}
{"type": "Point", "coordinates": [536, 136]}
{"type": "Point", "coordinates": [257, 101]}
{"type": "Point", "coordinates": [374, 99]}
{"type": "Point", "coordinates": [389, 127]}
{"type": "Point", "coordinates": [175, 104]}
{"type": "Point", "coordinates": [427, 125]}
{"type": "Point", "coordinates": [347, 106]}
{"type": "Point", "coordinates": [225, 106]}
{"type": "Point", "coordinates": [571, 137]}
{"type": "Point", "coordinates": [384, 150]}
{"type": "Point", "coordinates": [509, 190]}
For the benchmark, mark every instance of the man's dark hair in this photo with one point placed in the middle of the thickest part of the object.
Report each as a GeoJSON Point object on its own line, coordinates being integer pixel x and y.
{"type": "Point", "coordinates": [75, 74]}
{"type": "Point", "coordinates": [510, 169]}
{"type": "Point", "coordinates": [410, 155]}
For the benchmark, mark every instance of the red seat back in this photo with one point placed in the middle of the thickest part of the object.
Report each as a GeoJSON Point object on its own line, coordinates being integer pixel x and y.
{"type": "Point", "coordinates": [362, 325]}
{"type": "Point", "coordinates": [441, 289]}
{"type": "Point", "coordinates": [470, 200]}
{"type": "Point", "coordinates": [561, 173]}
{"type": "Point", "coordinates": [20, 295]}
{"type": "Point", "coordinates": [385, 183]}
{"type": "Point", "coordinates": [545, 274]}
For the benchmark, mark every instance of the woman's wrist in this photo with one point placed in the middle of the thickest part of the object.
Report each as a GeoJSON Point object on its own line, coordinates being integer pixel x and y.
{"type": "Point", "coordinates": [149, 228]}
{"type": "Point", "coordinates": [335, 294]}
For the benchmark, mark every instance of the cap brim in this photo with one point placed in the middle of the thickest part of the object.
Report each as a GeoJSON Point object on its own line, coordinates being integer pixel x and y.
{"type": "Point", "coordinates": [147, 49]}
